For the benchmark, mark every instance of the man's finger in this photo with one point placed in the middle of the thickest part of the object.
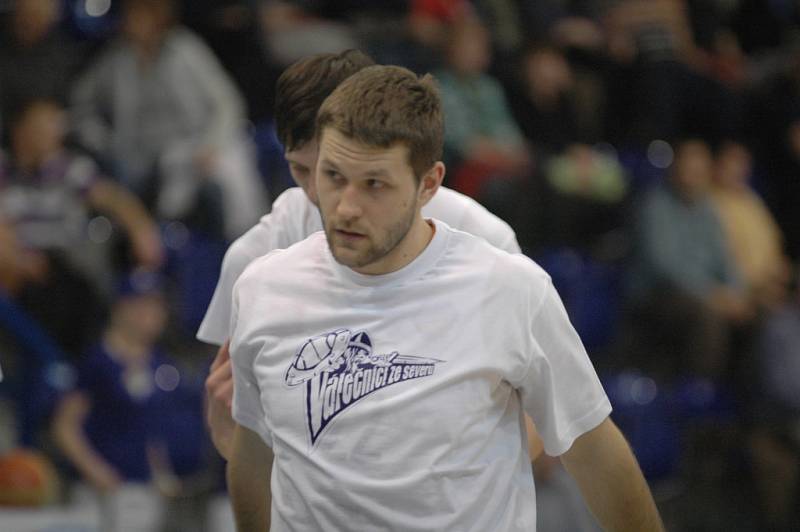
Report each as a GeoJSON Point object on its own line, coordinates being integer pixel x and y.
{"type": "Point", "coordinates": [225, 393]}
{"type": "Point", "coordinates": [222, 356]}
{"type": "Point", "coordinates": [218, 376]}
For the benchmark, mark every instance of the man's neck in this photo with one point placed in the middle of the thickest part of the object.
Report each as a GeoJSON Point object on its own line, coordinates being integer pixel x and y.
{"type": "Point", "coordinates": [411, 247]}
{"type": "Point", "coordinates": [30, 161]}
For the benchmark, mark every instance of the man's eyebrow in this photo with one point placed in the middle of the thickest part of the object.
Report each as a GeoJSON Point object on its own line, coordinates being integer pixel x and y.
{"type": "Point", "coordinates": [294, 162]}
{"type": "Point", "coordinates": [328, 163]}
{"type": "Point", "coordinates": [378, 172]}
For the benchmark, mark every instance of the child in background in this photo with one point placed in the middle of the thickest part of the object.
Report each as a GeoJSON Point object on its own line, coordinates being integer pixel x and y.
{"type": "Point", "coordinates": [108, 425]}
{"type": "Point", "coordinates": [48, 195]}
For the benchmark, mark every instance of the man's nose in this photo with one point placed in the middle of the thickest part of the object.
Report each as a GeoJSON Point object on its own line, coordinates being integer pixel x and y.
{"type": "Point", "coordinates": [350, 203]}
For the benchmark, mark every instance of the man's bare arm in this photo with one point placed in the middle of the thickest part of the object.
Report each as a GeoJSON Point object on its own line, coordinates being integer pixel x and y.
{"type": "Point", "coordinates": [249, 471]}
{"type": "Point", "coordinates": [603, 465]}
{"type": "Point", "coordinates": [535, 444]}
{"type": "Point", "coordinates": [219, 398]}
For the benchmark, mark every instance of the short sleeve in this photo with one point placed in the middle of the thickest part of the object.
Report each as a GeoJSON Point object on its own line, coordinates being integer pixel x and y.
{"type": "Point", "coordinates": [509, 242]}
{"type": "Point", "coordinates": [214, 328]}
{"type": "Point", "coordinates": [279, 229]}
{"type": "Point", "coordinates": [247, 408]}
{"type": "Point", "coordinates": [560, 389]}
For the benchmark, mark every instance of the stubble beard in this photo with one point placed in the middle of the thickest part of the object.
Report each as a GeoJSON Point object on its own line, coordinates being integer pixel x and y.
{"type": "Point", "coordinates": [374, 251]}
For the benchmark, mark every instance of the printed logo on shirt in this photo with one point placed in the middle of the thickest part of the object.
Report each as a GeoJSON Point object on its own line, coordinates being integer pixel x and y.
{"type": "Point", "coordinates": [339, 369]}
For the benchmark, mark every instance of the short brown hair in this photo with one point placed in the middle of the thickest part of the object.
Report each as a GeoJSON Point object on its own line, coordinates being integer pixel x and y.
{"type": "Point", "coordinates": [303, 87]}
{"type": "Point", "coordinates": [384, 105]}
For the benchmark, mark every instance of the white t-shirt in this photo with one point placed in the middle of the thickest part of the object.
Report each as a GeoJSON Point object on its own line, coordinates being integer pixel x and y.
{"type": "Point", "coordinates": [294, 217]}
{"type": "Point", "coordinates": [394, 402]}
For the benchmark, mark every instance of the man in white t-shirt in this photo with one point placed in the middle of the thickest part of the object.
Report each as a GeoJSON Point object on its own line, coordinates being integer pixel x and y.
{"type": "Point", "coordinates": [300, 91]}
{"type": "Point", "coordinates": [382, 366]}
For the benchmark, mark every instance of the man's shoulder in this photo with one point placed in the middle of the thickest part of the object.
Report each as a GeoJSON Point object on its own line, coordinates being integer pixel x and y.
{"type": "Point", "coordinates": [513, 278]}
{"type": "Point", "coordinates": [477, 251]}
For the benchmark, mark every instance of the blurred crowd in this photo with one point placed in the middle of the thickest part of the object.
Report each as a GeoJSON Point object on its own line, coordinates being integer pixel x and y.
{"type": "Point", "coordinates": [646, 152]}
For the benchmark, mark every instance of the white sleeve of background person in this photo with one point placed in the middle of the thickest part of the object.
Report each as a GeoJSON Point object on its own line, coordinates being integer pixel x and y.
{"type": "Point", "coordinates": [292, 219]}
{"type": "Point", "coordinates": [465, 214]}
{"type": "Point", "coordinates": [247, 409]}
{"type": "Point", "coordinates": [560, 389]}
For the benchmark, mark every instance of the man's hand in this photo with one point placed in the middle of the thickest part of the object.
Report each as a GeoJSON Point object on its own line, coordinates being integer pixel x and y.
{"type": "Point", "coordinates": [148, 249]}
{"type": "Point", "coordinates": [219, 399]}
{"type": "Point", "coordinates": [104, 478]}
{"type": "Point", "coordinates": [731, 305]}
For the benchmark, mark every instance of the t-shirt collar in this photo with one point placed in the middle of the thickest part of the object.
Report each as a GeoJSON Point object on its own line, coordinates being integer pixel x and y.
{"type": "Point", "coordinates": [413, 270]}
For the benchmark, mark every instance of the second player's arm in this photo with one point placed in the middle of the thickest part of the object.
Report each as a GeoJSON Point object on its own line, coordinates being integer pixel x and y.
{"type": "Point", "coordinates": [249, 471]}
{"type": "Point", "coordinates": [219, 398]}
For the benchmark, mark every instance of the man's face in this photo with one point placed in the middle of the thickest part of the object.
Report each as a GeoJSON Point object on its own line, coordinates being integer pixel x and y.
{"type": "Point", "coordinates": [34, 18]}
{"type": "Point", "coordinates": [144, 316]}
{"type": "Point", "coordinates": [369, 201]}
{"type": "Point", "coordinates": [145, 25]}
{"type": "Point", "coordinates": [302, 163]}
{"type": "Point", "coordinates": [41, 131]}
{"type": "Point", "coordinates": [693, 169]}
{"type": "Point", "coordinates": [734, 166]}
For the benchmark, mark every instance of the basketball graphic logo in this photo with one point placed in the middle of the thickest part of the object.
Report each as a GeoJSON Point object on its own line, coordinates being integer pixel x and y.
{"type": "Point", "coordinates": [320, 353]}
{"type": "Point", "coordinates": [339, 369]}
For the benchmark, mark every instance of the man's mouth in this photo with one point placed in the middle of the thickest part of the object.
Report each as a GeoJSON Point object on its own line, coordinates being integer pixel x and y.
{"type": "Point", "coordinates": [349, 235]}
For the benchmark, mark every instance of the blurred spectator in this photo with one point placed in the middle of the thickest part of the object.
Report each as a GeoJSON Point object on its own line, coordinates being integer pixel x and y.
{"type": "Point", "coordinates": [765, 24]}
{"type": "Point", "coordinates": [296, 28]}
{"type": "Point", "coordinates": [46, 194]}
{"type": "Point", "coordinates": [36, 58]}
{"type": "Point", "coordinates": [427, 25]}
{"type": "Point", "coordinates": [111, 427]}
{"type": "Point", "coordinates": [775, 440]}
{"type": "Point", "coordinates": [776, 136]}
{"type": "Point", "coordinates": [481, 137]}
{"type": "Point", "coordinates": [507, 23]}
{"type": "Point", "coordinates": [429, 20]}
{"type": "Point", "coordinates": [650, 28]}
{"type": "Point", "coordinates": [159, 108]}
{"type": "Point", "coordinates": [754, 238]}
{"type": "Point", "coordinates": [726, 60]}
{"type": "Point", "coordinates": [661, 93]}
{"type": "Point", "coordinates": [542, 99]}
{"type": "Point", "coordinates": [686, 291]}
{"type": "Point", "coordinates": [584, 192]}
{"type": "Point", "coordinates": [232, 30]}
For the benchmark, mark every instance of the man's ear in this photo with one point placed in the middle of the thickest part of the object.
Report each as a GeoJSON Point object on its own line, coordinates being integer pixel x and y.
{"type": "Point", "coordinates": [430, 182]}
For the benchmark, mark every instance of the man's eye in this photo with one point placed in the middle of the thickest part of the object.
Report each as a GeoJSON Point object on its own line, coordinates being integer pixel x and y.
{"type": "Point", "coordinates": [374, 183]}
{"type": "Point", "coordinates": [333, 175]}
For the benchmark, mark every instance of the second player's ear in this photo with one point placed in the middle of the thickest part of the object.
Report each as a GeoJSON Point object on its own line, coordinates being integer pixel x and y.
{"type": "Point", "coordinates": [430, 182]}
